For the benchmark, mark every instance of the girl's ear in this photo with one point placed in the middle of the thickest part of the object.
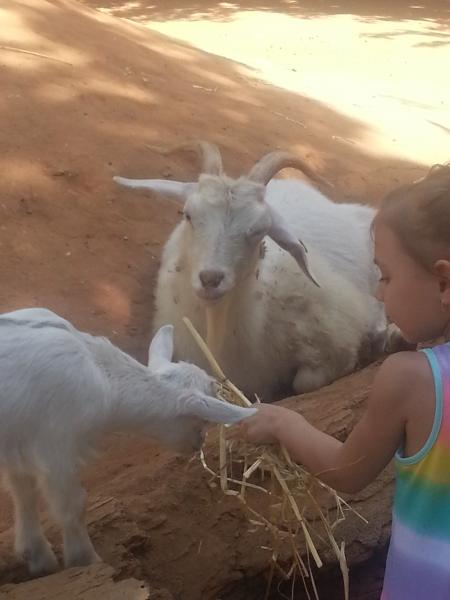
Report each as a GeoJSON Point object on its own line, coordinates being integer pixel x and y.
{"type": "Point", "coordinates": [442, 270]}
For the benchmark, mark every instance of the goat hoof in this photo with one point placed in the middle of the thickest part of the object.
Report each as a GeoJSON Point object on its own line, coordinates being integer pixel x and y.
{"type": "Point", "coordinates": [40, 561]}
{"type": "Point", "coordinates": [82, 559]}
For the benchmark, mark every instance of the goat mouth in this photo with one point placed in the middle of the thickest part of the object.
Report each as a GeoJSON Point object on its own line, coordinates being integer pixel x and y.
{"type": "Point", "coordinates": [211, 294]}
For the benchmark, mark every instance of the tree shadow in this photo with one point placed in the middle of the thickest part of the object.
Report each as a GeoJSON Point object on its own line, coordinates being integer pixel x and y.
{"type": "Point", "coordinates": [435, 30]}
{"type": "Point", "coordinates": [400, 10]}
{"type": "Point", "coordinates": [86, 106]}
{"type": "Point", "coordinates": [86, 109]}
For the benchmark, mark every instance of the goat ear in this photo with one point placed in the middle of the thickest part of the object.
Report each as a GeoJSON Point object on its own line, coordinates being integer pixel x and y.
{"type": "Point", "coordinates": [174, 189]}
{"type": "Point", "coordinates": [282, 234]}
{"type": "Point", "coordinates": [161, 347]}
{"type": "Point", "coordinates": [210, 409]}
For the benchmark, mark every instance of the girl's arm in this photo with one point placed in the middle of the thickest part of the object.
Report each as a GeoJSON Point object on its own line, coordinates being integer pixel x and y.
{"type": "Point", "coordinates": [351, 465]}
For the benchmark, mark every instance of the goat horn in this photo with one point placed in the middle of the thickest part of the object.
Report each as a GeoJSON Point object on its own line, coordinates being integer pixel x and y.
{"type": "Point", "coordinates": [270, 164]}
{"type": "Point", "coordinates": [209, 153]}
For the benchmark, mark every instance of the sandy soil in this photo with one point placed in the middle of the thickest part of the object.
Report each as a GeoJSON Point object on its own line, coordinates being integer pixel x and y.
{"type": "Point", "coordinates": [361, 93]}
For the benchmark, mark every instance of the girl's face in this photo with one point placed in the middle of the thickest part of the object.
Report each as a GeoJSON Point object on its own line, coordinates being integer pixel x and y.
{"type": "Point", "coordinates": [411, 294]}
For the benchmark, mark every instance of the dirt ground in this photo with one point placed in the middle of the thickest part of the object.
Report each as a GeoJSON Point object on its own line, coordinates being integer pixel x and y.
{"type": "Point", "coordinates": [85, 94]}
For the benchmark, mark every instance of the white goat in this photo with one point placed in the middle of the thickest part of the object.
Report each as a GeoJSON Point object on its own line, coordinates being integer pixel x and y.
{"type": "Point", "coordinates": [60, 390]}
{"type": "Point", "coordinates": [225, 266]}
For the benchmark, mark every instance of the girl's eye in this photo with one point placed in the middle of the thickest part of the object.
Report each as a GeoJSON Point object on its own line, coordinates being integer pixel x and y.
{"type": "Point", "coordinates": [384, 279]}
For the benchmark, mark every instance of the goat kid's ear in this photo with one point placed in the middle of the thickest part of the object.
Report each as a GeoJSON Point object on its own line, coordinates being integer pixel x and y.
{"type": "Point", "coordinates": [173, 189]}
{"type": "Point", "coordinates": [210, 409]}
{"type": "Point", "coordinates": [282, 234]}
{"type": "Point", "coordinates": [161, 347]}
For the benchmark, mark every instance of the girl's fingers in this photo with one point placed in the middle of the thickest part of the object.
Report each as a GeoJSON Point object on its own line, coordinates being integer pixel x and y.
{"type": "Point", "coordinates": [238, 431]}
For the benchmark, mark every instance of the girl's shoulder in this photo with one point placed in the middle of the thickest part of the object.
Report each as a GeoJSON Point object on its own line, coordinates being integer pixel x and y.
{"type": "Point", "coordinates": [406, 369]}
{"type": "Point", "coordinates": [403, 381]}
{"type": "Point", "coordinates": [408, 394]}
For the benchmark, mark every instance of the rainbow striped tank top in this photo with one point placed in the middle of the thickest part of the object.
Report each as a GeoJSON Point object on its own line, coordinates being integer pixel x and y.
{"type": "Point", "coordinates": [418, 563]}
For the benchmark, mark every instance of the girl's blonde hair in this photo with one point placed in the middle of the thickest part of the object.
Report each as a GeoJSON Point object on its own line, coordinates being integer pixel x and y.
{"type": "Point", "coordinates": [419, 214]}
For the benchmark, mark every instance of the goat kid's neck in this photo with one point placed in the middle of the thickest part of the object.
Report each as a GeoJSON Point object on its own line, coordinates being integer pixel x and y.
{"type": "Point", "coordinates": [134, 391]}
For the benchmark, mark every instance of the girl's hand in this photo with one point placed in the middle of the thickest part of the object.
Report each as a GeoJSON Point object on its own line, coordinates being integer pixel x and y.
{"type": "Point", "coordinates": [263, 427]}
{"type": "Point", "coordinates": [398, 392]}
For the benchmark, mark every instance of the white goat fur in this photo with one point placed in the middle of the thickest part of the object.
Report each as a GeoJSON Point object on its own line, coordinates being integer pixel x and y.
{"type": "Point", "coordinates": [270, 327]}
{"type": "Point", "coordinates": [60, 391]}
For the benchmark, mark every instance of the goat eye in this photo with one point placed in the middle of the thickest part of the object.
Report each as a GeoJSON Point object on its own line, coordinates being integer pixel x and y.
{"type": "Point", "coordinates": [187, 216]}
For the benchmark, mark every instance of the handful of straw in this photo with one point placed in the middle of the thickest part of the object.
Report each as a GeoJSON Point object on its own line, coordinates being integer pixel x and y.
{"type": "Point", "coordinates": [296, 497]}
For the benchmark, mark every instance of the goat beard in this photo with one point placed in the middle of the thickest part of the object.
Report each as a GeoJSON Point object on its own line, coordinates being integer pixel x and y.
{"type": "Point", "coordinates": [216, 325]}
{"type": "Point", "coordinates": [217, 313]}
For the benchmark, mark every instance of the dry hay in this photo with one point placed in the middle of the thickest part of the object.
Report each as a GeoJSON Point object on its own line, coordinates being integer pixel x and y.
{"type": "Point", "coordinates": [300, 505]}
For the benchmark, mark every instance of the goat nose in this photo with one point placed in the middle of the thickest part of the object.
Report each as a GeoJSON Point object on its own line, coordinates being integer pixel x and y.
{"type": "Point", "coordinates": [211, 279]}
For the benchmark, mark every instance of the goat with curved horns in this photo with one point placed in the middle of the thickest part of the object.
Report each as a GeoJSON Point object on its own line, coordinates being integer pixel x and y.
{"type": "Point", "coordinates": [261, 173]}
{"type": "Point", "coordinates": [272, 326]}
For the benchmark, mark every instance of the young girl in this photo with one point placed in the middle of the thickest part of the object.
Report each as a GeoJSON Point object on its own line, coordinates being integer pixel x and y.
{"type": "Point", "coordinates": [408, 411]}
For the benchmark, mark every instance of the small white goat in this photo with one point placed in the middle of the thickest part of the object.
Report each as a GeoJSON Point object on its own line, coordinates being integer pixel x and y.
{"type": "Point", "coordinates": [227, 267]}
{"type": "Point", "coordinates": [60, 390]}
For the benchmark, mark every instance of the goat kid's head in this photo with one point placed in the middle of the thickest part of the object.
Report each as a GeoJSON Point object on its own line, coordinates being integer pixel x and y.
{"type": "Point", "coordinates": [190, 402]}
{"type": "Point", "coordinates": [227, 219]}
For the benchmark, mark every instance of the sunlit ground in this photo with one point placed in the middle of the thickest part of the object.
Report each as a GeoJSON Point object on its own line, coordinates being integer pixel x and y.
{"type": "Point", "coordinates": [392, 75]}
